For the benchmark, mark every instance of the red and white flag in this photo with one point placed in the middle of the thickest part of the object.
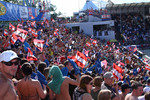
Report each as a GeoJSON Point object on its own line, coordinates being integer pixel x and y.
{"type": "Point", "coordinates": [34, 33]}
{"type": "Point", "coordinates": [39, 44]}
{"type": "Point", "coordinates": [13, 38]}
{"type": "Point", "coordinates": [106, 47]}
{"type": "Point", "coordinates": [122, 64]}
{"type": "Point", "coordinates": [30, 30]}
{"type": "Point", "coordinates": [47, 42]}
{"type": "Point", "coordinates": [32, 17]}
{"type": "Point", "coordinates": [135, 49]}
{"type": "Point", "coordinates": [91, 39]}
{"type": "Point", "coordinates": [132, 48]}
{"type": "Point", "coordinates": [52, 20]}
{"type": "Point", "coordinates": [71, 57]}
{"type": "Point", "coordinates": [147, 67]}
{"type": "Point", "coordinates": [21, 34]}
{"type": "Point", "coordinates": [110, 49]}
{"type": "Point", "coordinates": [19, 25]}
{"type": "Point", "coordinates": [104, 63]}
{"type": "Point", "coordinates": [88, 44]}
{"type": "Point", "coordinates": [113, 45]}
{"type": "Point", "coordinates": [80, 59]}
{"type": "Point", "coordinates": [46, 21]}
{"type": "Point", "coordinates": [56, 32]}
{"type": "Point", "coordinates": [146, 60]}
{"type": "Point", "coordinates": [117, 72]}
{"type": "Point", "coordinates": [5, 32]}
{"type": "Point", "coordinates": [33, 24]}
{"type": "Point", "coordinates": [94, 42]}
{"type": "Point", "coordinates": [11, 27]}
{"type": "Point", "coordinates": [91, 12]}
{"type": "Point", "coordinates": [30, 56]}
{"type": "Point", "coordinates": [42, 23]}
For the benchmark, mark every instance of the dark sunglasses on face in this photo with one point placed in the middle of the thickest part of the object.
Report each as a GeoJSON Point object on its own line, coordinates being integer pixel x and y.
{"type": "Point", "coordinates": [91, 83]}
{"type": "Point", "coordinates": [11, 63]}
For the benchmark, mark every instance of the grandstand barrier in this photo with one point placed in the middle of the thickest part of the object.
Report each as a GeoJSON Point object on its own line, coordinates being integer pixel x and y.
{"type": "Point", "coordinates": [143, 46]}
{"type": "Point", "coordinates": [140, 55]}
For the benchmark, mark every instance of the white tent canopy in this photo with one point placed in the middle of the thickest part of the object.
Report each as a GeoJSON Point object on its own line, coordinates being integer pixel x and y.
{"type": "Point", "coordinates": [89, 5]}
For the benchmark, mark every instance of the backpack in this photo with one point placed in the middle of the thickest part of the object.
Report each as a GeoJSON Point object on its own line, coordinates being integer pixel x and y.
{"type": "Point", "coordinates": [77, 95]}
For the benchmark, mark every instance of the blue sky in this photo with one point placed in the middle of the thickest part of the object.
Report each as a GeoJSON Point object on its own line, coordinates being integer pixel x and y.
{"type": "Point", "coordinates": [67, 7]}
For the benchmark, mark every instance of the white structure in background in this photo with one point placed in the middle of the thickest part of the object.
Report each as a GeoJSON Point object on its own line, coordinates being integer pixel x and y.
{"type": "Point", "coordinates": [93, 25]}
{"type": "Point", "coordinates": [88, 5]}
{"type": "Point", "coordinates": [88, 28]}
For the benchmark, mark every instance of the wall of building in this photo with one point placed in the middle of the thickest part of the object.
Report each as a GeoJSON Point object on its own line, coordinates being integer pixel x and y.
{"type": "Point", "coordinates": [87, 28]}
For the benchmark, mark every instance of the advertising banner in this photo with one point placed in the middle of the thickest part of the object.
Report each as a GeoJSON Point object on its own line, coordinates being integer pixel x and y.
{"type": "Point", "coordinates": [13, 12]}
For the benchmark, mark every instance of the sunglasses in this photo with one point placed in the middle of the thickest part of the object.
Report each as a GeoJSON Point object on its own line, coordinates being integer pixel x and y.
{"type": "Point", "coordinates": [11, 63]}
{"type": "Point", "coordinates": [91, 83]}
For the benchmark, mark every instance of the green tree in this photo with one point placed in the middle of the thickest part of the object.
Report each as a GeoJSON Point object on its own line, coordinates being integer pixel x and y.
{"type": "Point", "coordinates": [52, 10]}
{"type": "Point", "coordinates": [11, 1]}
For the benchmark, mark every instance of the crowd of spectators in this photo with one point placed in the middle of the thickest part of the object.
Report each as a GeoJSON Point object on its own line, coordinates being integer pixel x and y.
{"type": "Point", "coordinates": [96, 12]}
{"type": "Point", "coordinates": [134, 27]}
{"type": "Point", "coordinates": [55, 72]}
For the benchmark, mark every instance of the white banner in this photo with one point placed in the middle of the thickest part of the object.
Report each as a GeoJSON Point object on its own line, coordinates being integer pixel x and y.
{"type": "Point", "coordinates": [23, 12]}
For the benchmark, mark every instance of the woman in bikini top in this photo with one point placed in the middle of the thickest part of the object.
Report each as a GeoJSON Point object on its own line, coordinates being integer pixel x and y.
{"type": "Point", "coordinates": [27, 88]}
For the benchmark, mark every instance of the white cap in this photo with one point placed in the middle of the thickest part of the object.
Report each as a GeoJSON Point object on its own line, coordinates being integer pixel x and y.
{"type": "Point", "coordinates": [146, 90]}
{"type": "Point", "coordinates": [108, 75]}
{"type": "Point", "coordinates": [8, 55]}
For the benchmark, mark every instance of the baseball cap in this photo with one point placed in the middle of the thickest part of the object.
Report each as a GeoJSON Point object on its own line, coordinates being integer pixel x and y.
{"type": "Point", "coordinates": [108, 75]}
{"type": "Point", "coordinates": [125, 86]}
{"type": "Point", "coordinates": [8, 55]}
{"type": "Point", "coordinates": [146, 90]}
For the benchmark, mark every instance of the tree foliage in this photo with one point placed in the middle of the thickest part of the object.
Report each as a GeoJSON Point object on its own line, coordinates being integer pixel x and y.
{"type": "Point", "coordinates": [53, 12]}
{"type": "Point", "coordinates": [11, 1]}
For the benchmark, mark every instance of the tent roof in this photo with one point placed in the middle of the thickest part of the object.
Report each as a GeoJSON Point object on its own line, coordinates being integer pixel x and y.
{"type": "Point", "coordinates": [89, 5]}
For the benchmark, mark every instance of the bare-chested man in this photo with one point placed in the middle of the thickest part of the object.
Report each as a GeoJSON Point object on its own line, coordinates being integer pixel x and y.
{"type": "Point", "coordinates": [137, 90]}
{"type": "Point", "coordinates": [8, 64]}
{"type": "Point", "coordinates": [125, 88]}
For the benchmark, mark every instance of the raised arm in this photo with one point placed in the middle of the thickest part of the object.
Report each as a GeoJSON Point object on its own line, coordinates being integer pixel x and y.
{"type": "Point", "coordinates": [72, 81]}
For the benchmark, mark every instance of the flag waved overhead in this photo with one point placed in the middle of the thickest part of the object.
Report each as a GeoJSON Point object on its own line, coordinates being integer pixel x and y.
{"type": "Point", "coordinates": [39, 44]}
